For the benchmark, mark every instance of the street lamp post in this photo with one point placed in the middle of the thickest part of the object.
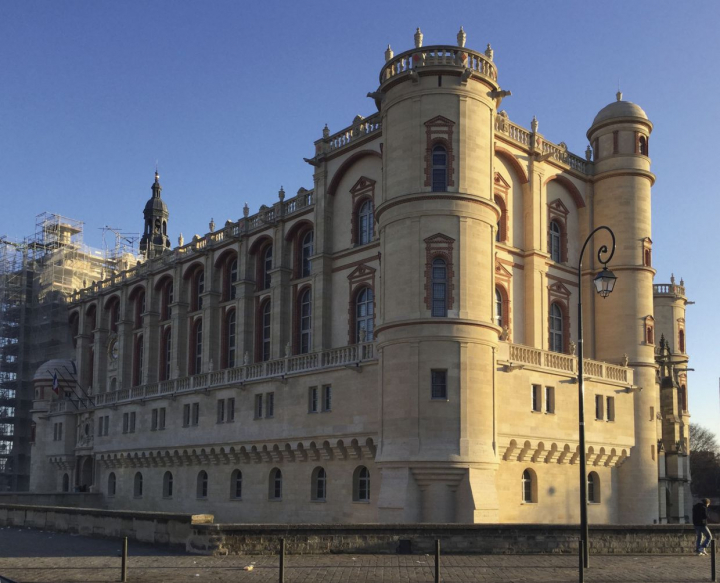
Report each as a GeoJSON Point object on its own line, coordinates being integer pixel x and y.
{"type": "Point", "coordinates": [604, 284]}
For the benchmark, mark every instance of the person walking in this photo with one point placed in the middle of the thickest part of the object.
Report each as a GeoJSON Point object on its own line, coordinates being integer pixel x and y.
{"type": "Point", "coordinates": [702, 532]}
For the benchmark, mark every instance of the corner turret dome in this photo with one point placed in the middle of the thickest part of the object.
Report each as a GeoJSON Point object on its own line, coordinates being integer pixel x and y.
{"type": "Point", "coordinates": [63, 367]}
{"type": "Point", "coordinates": [619, 109]}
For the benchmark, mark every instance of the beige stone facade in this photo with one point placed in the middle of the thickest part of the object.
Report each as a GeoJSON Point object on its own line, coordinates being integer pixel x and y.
{"type": "Point", "coordinates": [398, 343]}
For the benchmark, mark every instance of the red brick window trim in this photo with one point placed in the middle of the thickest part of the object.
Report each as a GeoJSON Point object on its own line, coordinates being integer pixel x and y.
{"type": "Point", "coordinates": [647, 252]}
{"type": "Point", "coordinates": [362, 277]}
{"type": "Point", "coordinates": [362, 191]}
{"type": "Point", "coordinates": [439, 131]}
{"type": "Point", "coordinates": [501, 189]}
{"type": "Point", "coordinates": [439, 245]}
{"type": "Point", "coordinates": [681, 335]}
{"type": "Point", "coordinates": [559, 295]}
{"type": "Point", "coordinates": [649, 330]}
{"type": "Point", "coordinates": [503, 283]}
{"type": "Point", "coordinates": [558, 213]}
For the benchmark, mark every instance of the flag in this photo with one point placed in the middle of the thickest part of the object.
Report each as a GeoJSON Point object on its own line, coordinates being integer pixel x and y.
{"type": "Point", "coordinates": [56, 384]}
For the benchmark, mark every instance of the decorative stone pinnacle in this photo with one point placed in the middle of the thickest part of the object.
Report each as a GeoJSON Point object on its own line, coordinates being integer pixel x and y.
{"type": "Point", "coordinates": [672, 278]}
{"type": "Point", "coordinates": [246, 210]}
{"type": "Point", "coordinates": [326, 132]}
{"type": "Point", "coordinates": [418, 38]}
{"type": "Point", "coordinates": [181, 240]}
{"type": "Point", "coordinates": [489, 52]}
{"type": "Point", "coordinates": [212, 225]}
{"type": "Point", "coordinates": [461, 37]}
{"type": "Point", "coordinates": [534, 125]}
{"type": "Point", "coordinates": [388, 54]}
{"type": "Point", "coordinates": [618, 95]}
{"type": "Point", "coordinates": [281, 194]}
{"type": "Point", "coordinates": [588, 153]}
{"type": "Point", "coordinates": [682, 282]}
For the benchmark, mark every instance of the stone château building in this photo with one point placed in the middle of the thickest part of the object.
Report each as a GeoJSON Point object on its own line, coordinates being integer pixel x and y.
{"type": "Point", "coordinates": [396, 344]}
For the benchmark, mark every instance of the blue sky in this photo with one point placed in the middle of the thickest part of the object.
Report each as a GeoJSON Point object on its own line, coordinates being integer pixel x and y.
{"type": "Point", "coordinates": [229, 96]}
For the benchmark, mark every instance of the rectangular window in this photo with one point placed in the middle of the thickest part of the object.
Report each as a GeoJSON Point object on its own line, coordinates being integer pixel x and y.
{"type": "Point", "coordinates": [327, 398]}
{"type": "Point", "coordinates": [549, 399]}
{"type": "Point", "coordinates": [132, 422]}
{"type": "Point", "coordinates": [438, 382]}
{"type": "Point", "coordinates": [55, 432]}
{"type": "Point", "coordinates": [186, 415]}
{"type": "Point", "coordinates": [258, 406]}
{"type": "Point", "coordinates": [126, 422]}
{"type": "Point", "coordinates": [537, 398]}
{"type": "Point", "coordinates": [101, 423]}
{"type": "Point", "coordinates": [230, 415]}
{"type": "Point", "coordinates": [60, 425]}
{"type": "Point", "coordinates": [161, 418]}
{"type": "Point", "coordinates": [313, 400]}
{"type": "Point", "coordinates": [154, 420]}
{"type": "Point", "coordinates": [221, 411]}
{"type": "Point", "coordinates": [270, 405]}
{"type": "Point", "coordinates": [610, 409]}
{"type": "Point", "coordinates": [195, 413]}
{"type": "Point", "coordinates": [599, 407]}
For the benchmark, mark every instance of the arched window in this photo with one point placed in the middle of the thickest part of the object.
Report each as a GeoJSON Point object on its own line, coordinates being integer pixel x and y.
{"type": "Point", "coordinates": [111, 484]}
{"type": "Point", "coordinates": [113, 309]}
{"type": "Point", "coordinates": [361, 484]}
{"type": "Point", "coordinates": [364, 315]}
{"type": "Point", "coordinates": [366, 222]}
{"type": "Point", "coordinates": [198, 290]}
{"type": "Point", "coordinates": [202, 484]}
{"type": "Point", "coordinates": [265, 331]}
{"type": "Point", "coordinates": [439, 169]}
{"type": "Point", "coordinates": [305, 308]}
{"type": "Point", "coordinates": [648, 258]}
{"type": "Point", "coordinates": [557, 340]}
{"type": "Point", "coordinates": [230, 339]}
{"type": "Point", "coordinates": [642, 146]}
{"type": "Point", "coordinates": [196, 345]}
{"type": "Point", "coordinates": [683, 398]}
{"type": "Point", "coordinates": [499, 320]}
{"type": "Point", "coordinates": [501, 233]}
{"type": "Point", "coordinates": [168, 297]}
{"type": "Point", "coordinates": [231, 278]}
{"type": "Point", "coordinates": [65, 483]}
{"type": "Point", "coordinates": [306, 251]}
{"type": "Point", "coordinates": [319, 481]}
{"type": "Point", "coordinates": [593, 488]}
{"type": "Point", "coordinates": [138, 485]}
{"type": "Point", "coordinates": [555, 242]}
{"type": "Point", "coordinates": [236, 485]}
{"type": "Point", "coordinates": [139, 309]}
{"type": "Point", "coordinates": [167, 485]}
{"type": "Point", "coordinates": [275, 491]}
{"type": "Point", "coordinates": [681, 340]}
{"type": "Point", "coordinates": [139, 355]}
{"type": "Point", "coordinates": [266, 267]}
{"type": "Point", "coordinates": [439, 288]}
{"type": "Point", "coordinates": [166, 354]}
{"type": "Point", "coordinates": [529, 487]}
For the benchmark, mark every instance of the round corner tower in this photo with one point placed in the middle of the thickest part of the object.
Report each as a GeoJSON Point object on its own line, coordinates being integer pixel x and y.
{"type": "Point", "coordinates": [624, 323]}
{"type": "Point", "coordinates": [435, 329]}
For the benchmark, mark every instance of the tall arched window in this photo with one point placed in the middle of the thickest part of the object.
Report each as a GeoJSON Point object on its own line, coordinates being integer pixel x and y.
{"type": "Point", "coordinates": [265, 330]}
{"type": "Point", "coordinates": [681, 340]}
{"type": "Point", "coordinates": [138, 485]}
{"type": "Point", "coordinates": [557, 340]}
{"type": "Point", "coordinates": [65, 483]}
{"type": "Point", "coordinates": [196, 346]}
{"type": "Point", "coordinates": [198, 290]}
{"type": "Point", "coordinates": [439, 169]}
{"type": "Point", "coordinates": [319, 481]}
{"type": "Point", "coordinates": [139, 356]}
{"type": "Point", "coordinates": [306, 251]}
{"type": "Point", "coordinates": [168, 485]}
{"type": "Point", "coordinates": [266, 267]}
{"type": "Point", "coordinates": [361, 484]}
{"type": "Point", "coordinates": [231, 277]}
{"type": "Point", "coordinates": [139, 309]}
{"type": "Point", "coordinates": [236, 484]}
{"type": "Point", "coordinates": [439, 288]}
{"type": "Point", "coordinates": [112, 484]}
{"type": "Point", "coordinates": [593, 488]}
{"type": "Point", "coordinates": [305, 307]}
{"type": "Point", "coordinates": [364, 315]}
{"type": "Point", "coordinates": [499, 320]}
{"type": "Point", "coordinates": [202, 484]}
{"type": "Point", "coordinates": [529, 487]}
{"type": "Point", "coordinates": [555, 241]}
{"type": "Point", "coordinates": [366, 222]}
{"type": "Point", "coordinates": [168, 297]}
{"type": "Point", "coordinates": [275, 491]}
{"type": "Point", "coordinates": [230, 339]}
{"type": "Point", "coordinates": [166, 354]}
{"type": "Point", "coordinates": [642, 146]}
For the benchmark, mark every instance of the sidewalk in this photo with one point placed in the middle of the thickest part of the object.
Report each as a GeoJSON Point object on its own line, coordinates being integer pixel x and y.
{"type": "Point", "coordinates": [30, 556]}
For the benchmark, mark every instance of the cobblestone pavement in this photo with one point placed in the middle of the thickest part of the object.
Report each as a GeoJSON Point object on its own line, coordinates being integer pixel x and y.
{"type": "Point", "coordinates": [31, 556]}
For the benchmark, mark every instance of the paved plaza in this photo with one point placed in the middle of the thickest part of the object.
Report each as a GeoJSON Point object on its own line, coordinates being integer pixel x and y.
{"type": "Point", "coordinates": [31, 556]}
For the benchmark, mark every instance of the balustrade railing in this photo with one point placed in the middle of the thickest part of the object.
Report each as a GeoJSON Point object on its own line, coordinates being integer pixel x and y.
{"type": "Point", "coordinates": [358, 130]}
{"type": "Point", "coordinates": [669, 289]}
{"type": "Point", "coordinates": [434, 56]}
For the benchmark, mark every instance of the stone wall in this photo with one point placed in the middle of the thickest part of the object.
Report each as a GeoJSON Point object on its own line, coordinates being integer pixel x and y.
{"type": "Point", "coordinates": [152, 527]}
{"type": "Point", "coordinates": [237, 539]}
{"type": "Point", "coordinates": [71, 499]}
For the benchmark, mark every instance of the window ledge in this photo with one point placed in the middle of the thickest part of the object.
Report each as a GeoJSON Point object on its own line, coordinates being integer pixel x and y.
{"type": "Point", "coordinates": [319, 501]}
{"type": "Point", "coordinates": [235, 499]}
{"type": "Point", "coordinates": [361, 501]}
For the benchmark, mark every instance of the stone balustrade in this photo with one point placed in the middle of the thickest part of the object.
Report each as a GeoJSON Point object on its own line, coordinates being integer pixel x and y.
{"type": "Point", "coordinates": [557, 362]}
{"type": "Point", "coordinates": [358, 130]}
{"type": "Point", "coordinates": [439, 56]}
{"type": "Point", "coordinates": [671, 289]}
{"type": "Point", "coordinates": [293, 365]}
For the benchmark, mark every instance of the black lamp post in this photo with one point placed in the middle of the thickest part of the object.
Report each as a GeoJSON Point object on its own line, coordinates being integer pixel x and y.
{"type": "Point", "coordinates": [604, 284]}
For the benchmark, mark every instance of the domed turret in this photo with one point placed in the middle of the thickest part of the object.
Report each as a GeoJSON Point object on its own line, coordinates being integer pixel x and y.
{"type": "Point", "coordinates": [53, 377]}
{"type": "Point", "coordinates": [155, 239]}
{"type": "Point", "coordinates": [618, 110]}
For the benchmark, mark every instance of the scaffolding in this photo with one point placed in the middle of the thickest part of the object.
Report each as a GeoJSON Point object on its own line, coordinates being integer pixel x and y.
{"type": "Point", "coordinates": [36, 275]}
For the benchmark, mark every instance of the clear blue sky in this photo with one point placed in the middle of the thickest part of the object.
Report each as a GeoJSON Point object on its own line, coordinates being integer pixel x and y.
{"type": "Point", "coordinates": [229, 96]}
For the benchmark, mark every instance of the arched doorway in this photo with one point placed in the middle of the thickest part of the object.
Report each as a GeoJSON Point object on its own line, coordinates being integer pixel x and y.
{"type": "Point", "coordinates": [85, 477]}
